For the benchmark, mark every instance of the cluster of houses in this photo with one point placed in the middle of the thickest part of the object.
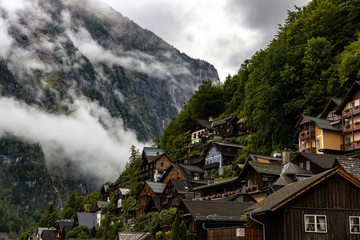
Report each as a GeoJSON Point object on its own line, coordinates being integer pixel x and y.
{"type": "Point", "coordinates": [313, 194]}
{"type": "Point", "coordinates": [91, 217]}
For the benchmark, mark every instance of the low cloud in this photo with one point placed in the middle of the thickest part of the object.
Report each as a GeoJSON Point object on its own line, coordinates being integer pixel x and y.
{"type": "Point", "coordinates": [96, 143]}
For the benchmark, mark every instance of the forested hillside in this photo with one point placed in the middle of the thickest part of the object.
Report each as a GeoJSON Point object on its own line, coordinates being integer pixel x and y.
{"type": "Point", "coordinates": [314, 56]}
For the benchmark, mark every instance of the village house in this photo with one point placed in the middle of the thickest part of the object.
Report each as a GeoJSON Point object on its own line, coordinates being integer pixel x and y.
{"type": "Point", "coordinates": [314, 208]}
{"type": "Point", "coordinates": [63, 226]}
{"type": "Point", "coordinates": [148, 191]}
{"type": "Point", "coordinates": [200, 216]}
{"type": "Point", "coordinates": [210, 130]}
{"type": "Point", "coordinates": [87, 219]}
{"type": "Point", "coordinates": [203, 129]}
{"type": "Point", "coordinates": [183, 172]}
{"type": "Point", "coordinates": [155, 163]}
{"type": "Point", "coordinates": [315, 163]}
{"type": "Point", "coordinates": [218, 154]}
{"type": "Point", "coordinates": [175, 191]}
{"type": "Point", "coordinates": [349, 109]}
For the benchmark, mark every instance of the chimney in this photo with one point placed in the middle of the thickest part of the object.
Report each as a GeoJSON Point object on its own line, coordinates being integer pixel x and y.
{"type": "Point", "coordinates": [285, 156]}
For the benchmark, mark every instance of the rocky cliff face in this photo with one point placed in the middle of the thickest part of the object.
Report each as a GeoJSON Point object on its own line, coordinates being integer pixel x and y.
{"type": "Point", "coordinates": [59, 50]}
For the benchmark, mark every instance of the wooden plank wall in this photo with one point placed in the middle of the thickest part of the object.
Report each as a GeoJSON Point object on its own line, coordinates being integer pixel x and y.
{"type": "Point", "coordinates": [230, 234]}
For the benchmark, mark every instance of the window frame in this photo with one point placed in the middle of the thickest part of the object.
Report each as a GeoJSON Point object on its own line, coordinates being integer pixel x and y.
{"type": "Point", "coordinates": [317, 143]}
{"type": "Point", "coordinates": [354, 216]}
{"type": "Point", "coordinates": [316, 223]}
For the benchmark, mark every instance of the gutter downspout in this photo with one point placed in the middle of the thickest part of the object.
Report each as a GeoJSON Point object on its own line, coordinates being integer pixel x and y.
{"type": "Point", "coordinates": [259, 223]}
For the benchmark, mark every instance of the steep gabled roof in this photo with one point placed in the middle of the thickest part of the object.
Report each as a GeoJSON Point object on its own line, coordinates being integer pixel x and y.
{"type": "Point", "coordinates": [224, 121]}
{"type": "Point", "coordinates": [350, 166]}
{"type": "Point", "coordinates": [157, 187]}
{"type": "Point", "coordinates": [220, 145]}
{"type": "Point", "coordinates": [87, 219]}
{"type": "Point", "coordinates": [332, 102]}
{"type": "Point", "coordinates": [152, 152]}
{"type": "Point", "coordinates": [346, 99]}
{"type": "Point", "coordinates": [321, 123]}
{"type": "Point", "coordinates": [205, 124]}
{"type": "Point", "coordinates": [215, 210]}
{"type": "Point", "coordinates": [185, 170]}
{"type": "Point", "coordinates": [294, 190]}
{"type": "Point", "coordinates": [181, 186]}
{"type": "Point", "coordinates": [267, 168]}
{"type": "Point", "coordinates": [325, 161]}
{"type": "Point", "coordinates": [292, 169]}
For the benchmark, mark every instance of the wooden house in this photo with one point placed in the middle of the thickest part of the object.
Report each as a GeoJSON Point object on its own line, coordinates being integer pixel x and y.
{"type": "Point", "coordinates": [199, 216]}
{"type": "Point", "coordinates": [154, 164]}
{"type": "Point", "coordinates": [242, 128]}
{"type": "Point", "coordinates": [63, 226]}
{"type": "Point", "coordinates": [264, 159]}
{"type": "Point", "coordinates": [218, 154]}
{"type": "Point", "coordinates": [325, 206]}
{"type": "Point", "coordinates": [203, 129]}
{"type": "Point", "coordinates": [315, 163]}
{"type": "Point", "coordinates": [182, 172]}
{"type": "Point", "coordinates": [147, 191]}
{"type": "Point", "coordinates": [175, 191]}
{"type": "Point", "coordinates": [227, 127]}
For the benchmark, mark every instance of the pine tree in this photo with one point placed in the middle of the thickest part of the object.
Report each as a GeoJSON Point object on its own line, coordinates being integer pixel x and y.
{"type": "Point", "coordinates": [175, 230]}
{"type": "Point", "coordinates": [183, 231]}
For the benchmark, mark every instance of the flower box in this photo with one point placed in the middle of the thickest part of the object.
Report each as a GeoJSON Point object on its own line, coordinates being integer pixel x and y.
{"type": "Point", "coordinates": [347, 125]}
{"type": "Point", "coordinates": [247, 189]}
{"type": "Point", "coordinates": [357, 123]}
{"type": "Point", "coordinates": [347, 110]}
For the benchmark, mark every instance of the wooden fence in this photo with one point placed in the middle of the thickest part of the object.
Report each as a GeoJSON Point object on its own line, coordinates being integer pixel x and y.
{"type": "Point", "coordinates": [230, 234]}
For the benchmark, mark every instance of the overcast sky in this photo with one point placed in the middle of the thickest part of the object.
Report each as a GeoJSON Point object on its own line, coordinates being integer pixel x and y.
{"type": "Point", "coordinates": [222, 32]}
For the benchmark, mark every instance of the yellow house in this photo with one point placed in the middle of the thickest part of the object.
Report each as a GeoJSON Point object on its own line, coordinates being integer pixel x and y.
{"type": "Point", "coordinates": [317, 135]}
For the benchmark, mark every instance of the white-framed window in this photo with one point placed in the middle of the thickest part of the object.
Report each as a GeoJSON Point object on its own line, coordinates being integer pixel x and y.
{"type": "Point", "coordinates": [352, 104]}
{"type": "Point", "coordinates": [354, 224]}
{"type": "Point", "coordinates": [332, 114]}
{"type": "Point", "coordinates": [315, 223]}
{"type": "Point", "coordinates": [317, 143]}
{"type": "Point", "coordinates": [308, 165]}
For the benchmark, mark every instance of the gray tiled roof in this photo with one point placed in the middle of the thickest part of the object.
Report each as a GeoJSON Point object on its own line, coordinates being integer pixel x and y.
{"type": "Point", "coordinates": [132, 236]}
{"type": "Point", "coordinates": [350, 166]}
{"type": "Point", "coordinates": [87, 219]}
{"type": "Point", "coordinates": [182, 186]}
{"type": "Point", "coordinates": [267, 168]}
{"type": "Point", "coordinates": [284, 193]}
{"type": "Point", "coordinates": [290, 168]}
{"type": "Point", "coordinates": [216, 210]}
{"type": "Point", "coordinates": [229, 145]}
{"type": "Point", "coordinates": [151, 152]}
{"type": "Point", "coordinates": [157, 187]}
{"type": "Point", "coordinates": [325, 161]}
{"type": "Point", "coordinates": [323, 123]}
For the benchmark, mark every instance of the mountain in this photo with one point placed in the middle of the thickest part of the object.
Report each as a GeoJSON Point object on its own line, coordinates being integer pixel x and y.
{"type": "Point", "coordinates": [69, 65]}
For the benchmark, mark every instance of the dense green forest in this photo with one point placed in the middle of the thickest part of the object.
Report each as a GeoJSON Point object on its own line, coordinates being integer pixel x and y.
{"type": "Point", "coordinates": [314, 56]}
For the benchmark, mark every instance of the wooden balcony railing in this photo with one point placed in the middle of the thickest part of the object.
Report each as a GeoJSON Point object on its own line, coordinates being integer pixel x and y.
{"type": "Point", "coordinates": [353, 145]}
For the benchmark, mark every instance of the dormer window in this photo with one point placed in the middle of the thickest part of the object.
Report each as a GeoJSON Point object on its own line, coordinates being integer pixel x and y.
{"type": "Point", "coordinates": [332, 114]}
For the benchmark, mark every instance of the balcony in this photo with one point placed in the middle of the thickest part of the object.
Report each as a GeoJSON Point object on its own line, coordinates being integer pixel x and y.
{"type": "Point", "coordinates": [350, 146]}
{"type": "Point", "coordinates": [212, 165]}
{"type": "Point", "coordinates": [146, 175]}
{"type": "Point", "coordinates": [307, 135]}
{"type": "Point", "coordinates": [351, 111]}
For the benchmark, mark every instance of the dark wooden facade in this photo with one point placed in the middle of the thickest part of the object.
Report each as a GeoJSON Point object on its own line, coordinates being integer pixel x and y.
{"type": "Point", "coordinates": [229, 233]}
{"type": "Point", "coordinates": [152, 165]}
{"type": "Point", "coordinates": [335, 196]}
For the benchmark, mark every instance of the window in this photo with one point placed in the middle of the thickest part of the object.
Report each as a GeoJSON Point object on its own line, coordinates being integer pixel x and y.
{"type": "Point", "coordinates": [301, 165]}
{"type": "Point", "coordinates": [172, 175]}
{"type": "Point", "coordinates": [354, 223]}
{"type": "Point", "coordinates": [347, 141]}
{"type": "Point", "coordinates": [352, 104]}
{"type": "Point", "coordinates": [315, 223]}
{"type": "Point", "coordinates": [303, 146]}
{"type": "Point", "coordinates": [308, 165]}
{"type": "Point", "coordinates": [317, 143]}
{"type": "Point", "coordinates": [161, 164]}
{"type": "Point", "coordinates": [332, 114]}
